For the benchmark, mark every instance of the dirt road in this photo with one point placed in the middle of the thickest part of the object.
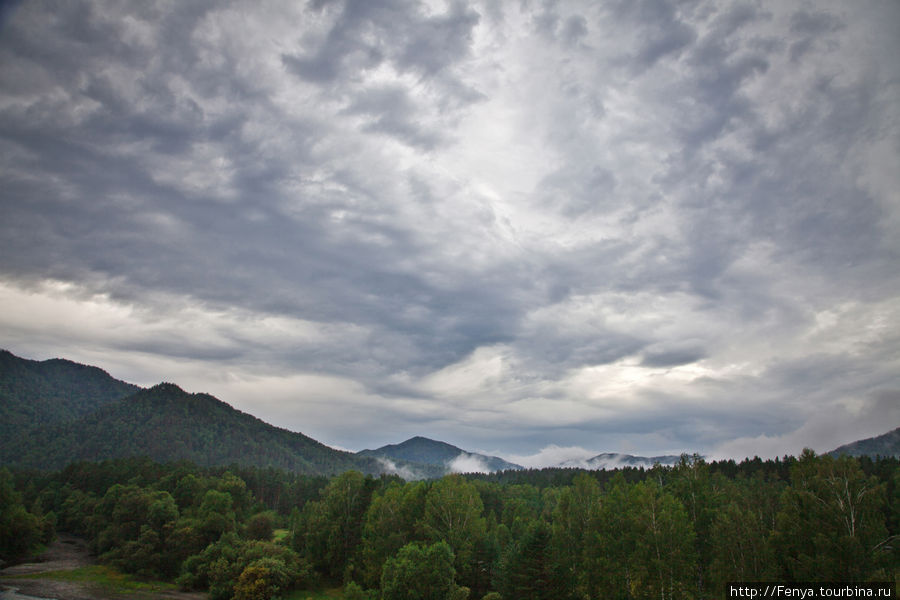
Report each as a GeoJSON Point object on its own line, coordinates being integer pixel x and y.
{"type": "Point", "coordinates": [64, 554]}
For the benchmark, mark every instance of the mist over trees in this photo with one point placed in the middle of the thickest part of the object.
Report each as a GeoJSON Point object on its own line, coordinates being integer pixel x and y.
{"type": "Point", "coordinates": [666, 532]}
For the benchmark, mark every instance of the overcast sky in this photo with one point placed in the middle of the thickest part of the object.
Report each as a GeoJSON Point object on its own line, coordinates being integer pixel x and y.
{"type": "Point", "coordinates": [536, 229]}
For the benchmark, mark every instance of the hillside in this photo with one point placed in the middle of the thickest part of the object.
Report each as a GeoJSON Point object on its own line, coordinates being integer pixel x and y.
{"type": "Point", "coordinates": [54, 412]}
{"type": "Point", "coordinates": [887, 444]}
{"type": "Point", "coordinates": [42, 393]}
{"type": "Point", "coordinates": [166, 423]}
{"type": "Point", "coordinates": [439, 454]}
{"type": "Point", "coordinates": [612, 460]}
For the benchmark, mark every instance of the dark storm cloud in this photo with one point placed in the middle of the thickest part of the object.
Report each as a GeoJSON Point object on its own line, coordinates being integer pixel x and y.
{"type": "Point", "coordinates": [674, 357]}
{"type": "Point", "coordinates": [811, 27]}
{"type": "Point", "coordinates": [365, 34]}
{"type": "Point", "coordinates": [606, 217]}
{"type": "Point", "coordinates": [392, 112]}
{"type": "Point", "coordinates": [660, 27]}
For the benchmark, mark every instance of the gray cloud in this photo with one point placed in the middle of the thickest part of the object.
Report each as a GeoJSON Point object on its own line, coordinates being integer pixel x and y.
{"type": "Point", "coordinates": [392, 112]}
{"type": "Point", "coordinates": [662, 224]}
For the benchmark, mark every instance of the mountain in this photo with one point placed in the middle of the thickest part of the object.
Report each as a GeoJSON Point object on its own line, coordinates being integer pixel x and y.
{"type": "Point", "coordinates": [444, 457]}
{"type": "Point", "coordinates": [54, 412]}
{"type": "Point", "coordinates": [166, 423]}
{"type": "Point", "coordinates": [34, 393]}
{"type": "Point", "coordinates": [887, 444]}
{"type": "Point", "coordinates": [612, 460]}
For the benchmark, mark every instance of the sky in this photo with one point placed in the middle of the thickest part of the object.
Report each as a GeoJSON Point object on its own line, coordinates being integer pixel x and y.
{"type": "Point", "coordinates": [541, 230]}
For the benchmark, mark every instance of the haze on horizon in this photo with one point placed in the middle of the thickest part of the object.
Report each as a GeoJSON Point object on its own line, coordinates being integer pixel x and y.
{"type": "Point", "coordinates": [530, 229]}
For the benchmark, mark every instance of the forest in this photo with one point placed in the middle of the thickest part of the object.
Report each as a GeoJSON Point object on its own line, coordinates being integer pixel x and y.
{"type": "Point", "coordinates": [662, 533]}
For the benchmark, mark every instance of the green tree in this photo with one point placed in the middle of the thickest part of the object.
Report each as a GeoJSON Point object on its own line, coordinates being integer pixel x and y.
{"type": "Point", "coordinates": [390, 524]}
{"type": "Point", "coordinates": [831, 525]}
{"type": "Point", "coordinates": [419, 572]}
{"type": "Point", "coordinates": [241, 498]}
{"type": "Point", "coordinates": [610, 546]}
{"type": "Point", "coordinates": [219, 568]}
{"type": "Point", "coordinates": [528, 571]}
{"type": "Point", "coordinates": [331, 528]}
{"type": "Point", "coordinates": [261, 526]}
{"type": "Point", "coordinates": [702, 495]}
{"type": "Point", "coordinates": [521, 507]}
{"type": "Point", "coordinates": [20, 530]}
{"type": "Point", "coordinates": [453, 514]}
{"type": "Point", "coordinates": [353, 591]}
{"type": "Point", "coordinates": [136, 525]}
{"type": "Point", "coordinates": [740, 533]}
{"type": "Point", "coordinates": [574, 525]}
{"type": "Point", "coordinates": [216, 515]}
{"type": "Point", "coordinates": [188, 491]}
{"type": "Point", "coordinates": [255, 583]}
{"type": "Point", "coordinates": [663, 544]}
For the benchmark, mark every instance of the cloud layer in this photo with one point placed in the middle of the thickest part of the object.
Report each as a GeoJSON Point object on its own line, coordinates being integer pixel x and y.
{"type": "Point", "coordinates": [643, 227]}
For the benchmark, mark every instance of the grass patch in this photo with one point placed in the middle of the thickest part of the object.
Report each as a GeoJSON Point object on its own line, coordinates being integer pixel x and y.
{"type": "Point", "coordinates": [280, 535]}
{"type": "Point", "coordinates": [105, 577]}
{"type": "Point", "coordinates": [326, 594]}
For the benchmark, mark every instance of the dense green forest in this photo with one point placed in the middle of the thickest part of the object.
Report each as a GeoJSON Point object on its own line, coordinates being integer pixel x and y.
{"type": "Point", "coordinates": [679, 532]}
{"type": "Point", "coordinates": [37, 394]}
{"type": "Point", "coordinates": [56, 411]}
{"type": "Point", "coordinates": [167, 423]}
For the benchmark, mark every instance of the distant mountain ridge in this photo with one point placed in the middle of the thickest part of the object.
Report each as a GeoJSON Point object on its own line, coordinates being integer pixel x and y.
{"type": "Point", "coordinates": [167, 424]}
{"type": "Point", "coordinates": [445, 457]}
{"type": "Point", "coordinates": [887, 444]}
{"type": "Point", "coordinates": [58, 412]}
{"type": "Point", "coordinates": [613, 460]}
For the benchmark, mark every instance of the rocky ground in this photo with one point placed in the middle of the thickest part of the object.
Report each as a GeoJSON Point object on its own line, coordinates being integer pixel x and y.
{"type": "Point", "coordinates": [67, 553]}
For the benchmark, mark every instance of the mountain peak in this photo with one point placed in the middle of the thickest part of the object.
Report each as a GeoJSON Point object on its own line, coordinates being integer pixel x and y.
{"type": "Point", "coordinates": [167, 387]}
{"type": "Point", "coordinates": [435, 453]}
{"type": "Point", "coordinates": [55, 412]}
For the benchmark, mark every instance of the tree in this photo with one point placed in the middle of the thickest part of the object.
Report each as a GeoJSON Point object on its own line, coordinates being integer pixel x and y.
{"type": "Point", "coordinates": [701, 494]}
{"type": "Point", "coordinates": [574, 523]}
{"type": "Point", "coordinates": [528, 570]}
{"type": "Point", "coordinates": [261, 526]}
{"type": "Point", "coordinates": [610, 545]}
{"type": "Point", "coordinates": [740, 533]}
{"type": "Point", "coordinates": [453, 514]}
{"type": "Point", "coordinates": [20, 531]}
{"type": "Point", "coordinates": [353, 591]}
{"type": "Point", "coordinates": [255, 583]}
{"type": "Point", "coordinates": [644, 543]}
{"type": "Point", "coordinates": [133, 525]}
{"type": "Point", "coordinates": [390, 524]}
{"type": "Point", "coordinates": [831, 525]}
{"type": "Point", "coordinates": [187, 491]}
{"type": "Point", "coordinates": [220, 566]}
{"type": "Point", "coordinates": [419, 572]}
{"type": "Point", "coordinates": [331, 528]}
{"type": "Point", "coordinates": [216, 515]}
{"type": "Point", "coordinates": [264, 578]}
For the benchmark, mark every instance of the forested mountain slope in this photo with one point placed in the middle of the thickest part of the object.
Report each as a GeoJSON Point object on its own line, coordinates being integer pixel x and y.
{"type": "Point", "coordinates": [613, 460]}
{"type": "Point", "coordinates": [166, 423]}
{"type": "Point", "coordinates": [432, 452]}
{"type": "Point", "coordinates": [41, 393]}
{"type": "Point", "coordinates": [887, 444]}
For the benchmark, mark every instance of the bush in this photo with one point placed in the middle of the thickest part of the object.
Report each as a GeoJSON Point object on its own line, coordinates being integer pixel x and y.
{"type": "Point", "coordinates": [353, 591]}
{"type": "Point", "coordinates": [224, 568]}
{"type": "Point", "coordinates": [256, 582]}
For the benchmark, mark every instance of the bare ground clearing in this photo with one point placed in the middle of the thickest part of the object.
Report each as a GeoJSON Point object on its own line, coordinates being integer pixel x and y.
{"type": "Point", "coordinates": [65, 554]}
